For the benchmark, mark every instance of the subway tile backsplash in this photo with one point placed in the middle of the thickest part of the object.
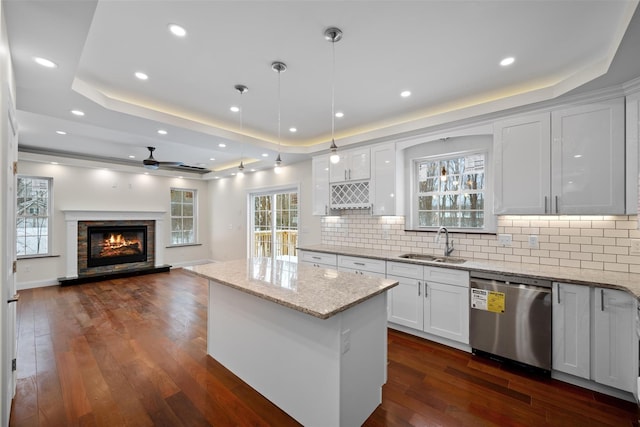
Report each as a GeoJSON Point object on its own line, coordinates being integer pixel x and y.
{"type": "Point", "coordinates": [590, 242]}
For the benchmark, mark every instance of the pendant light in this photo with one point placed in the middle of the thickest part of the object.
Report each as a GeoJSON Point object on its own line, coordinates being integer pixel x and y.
{"type": "Point", "coordinates": [333, 35]}
{"type": "Point", "coordinates": [278, 67]}
{"type": "Point", "coordinates": [241, 89]}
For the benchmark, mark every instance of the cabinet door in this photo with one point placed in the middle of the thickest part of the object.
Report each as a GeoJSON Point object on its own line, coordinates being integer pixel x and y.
{"type": "Point", "coordinates": [404, 302]}
{"type": "Point", "coordinates": [338, 171]}
{"type": "Point", "coordinates": [571, 329]}
{"type": "Point", "coordinates": [383, 180]}
{"type": "Point", "coordinates": [615, 344]}
{"type": "Point", "coordinates": [446, 311]}
{"type": "Point", "coordinates": [522, 150]}
{"type": "Point", "coordinates": [359, 164]}
{"type": "Point", "coordinates": [320, 183]}
{"type": "Point", "coordinates": [588, 159]}
{"type": "Point", "coordinates": [318, 259]}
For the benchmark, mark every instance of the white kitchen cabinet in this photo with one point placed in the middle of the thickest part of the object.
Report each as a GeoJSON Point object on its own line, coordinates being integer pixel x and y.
{"type": "Point", "coordinates": [582, 149]}
{"type": "Point", "coordinates": [571, 335]}
{"type": "Point", "coordinates": [522, 152]}
{"type": "Point", "coordinates": [615, 361]}
{"type": "Point", "coordinates": [431, 299]}
{"type": "Point", "coordinates": [384, 200]}
{"type": "Point", "coordinates": [446, 309]}
{"type": "Point", "coordinates": [588, 158]}
{"type": "Point", "coordinates": [354, 165]}
{"type": "Point", "coordinates": [405, 303]}
{"type": "Point", "coordinates": [320, 183]}
{"type": "Point", "coordinates": [318, 259]}
{"type": "Point", "coordinates": [632, 149]}
{"type": "Point", "coordinates": [362, 266]}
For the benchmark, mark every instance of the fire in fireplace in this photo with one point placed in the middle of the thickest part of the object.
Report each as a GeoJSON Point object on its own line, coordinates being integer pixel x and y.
{"type": "Point", "coordinates": [109, 245]}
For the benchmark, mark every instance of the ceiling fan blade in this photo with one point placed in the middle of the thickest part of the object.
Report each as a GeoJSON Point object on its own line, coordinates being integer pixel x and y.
{"type": "Point", "coordinates": [170, 163]}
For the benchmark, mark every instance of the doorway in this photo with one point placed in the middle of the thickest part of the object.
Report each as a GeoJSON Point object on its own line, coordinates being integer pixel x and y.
{"type": "Point", "coordinates": [274, 224]}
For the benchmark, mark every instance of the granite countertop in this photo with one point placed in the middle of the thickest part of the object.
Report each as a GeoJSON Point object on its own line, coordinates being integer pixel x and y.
{"type": "Point", "coordinates": [315, 291]}
{"type": "Point", "coordinates": [629, 282]}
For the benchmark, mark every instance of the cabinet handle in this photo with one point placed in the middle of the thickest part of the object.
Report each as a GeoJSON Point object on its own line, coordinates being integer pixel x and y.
{"type": "Point", "coordinates": [419, 289]}
{"type": "Point", "coordinates": [325, 209]}
{"type": "Point", "coordinates": [558, 293]}
{"type": "Point", "coordinates": [345, 174]}
{"type": "Point", "coordinates": [14, 298]}
{"type": "Point", "coordinates": [601, 299]}
{"type": "Point", "coordinates": [426, 290]}
{"type": "Point", "coordinates": [545, 204]}
{"type": "Point", "coordinates": [556, 204]}
{"type": "Point", "coordinates": [359, 263]}
{"type": "Point", "coordinates": [349, 174]}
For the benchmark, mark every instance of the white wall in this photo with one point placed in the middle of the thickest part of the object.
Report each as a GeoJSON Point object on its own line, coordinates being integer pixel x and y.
{"type": "Point", "coordinates": [81, 188]}
{"type": "Point", "coordinates": [228, 208]}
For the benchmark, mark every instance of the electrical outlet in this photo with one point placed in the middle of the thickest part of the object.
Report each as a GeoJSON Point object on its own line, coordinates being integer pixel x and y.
{"type": "Point", "coordinates": [346, 340]}
{"type": "Point", "coordinates": [635, 247]}
{"type": "Point", "coordinates": [504, 239]}
{"type": "Point", "coordinates": [533, 242]}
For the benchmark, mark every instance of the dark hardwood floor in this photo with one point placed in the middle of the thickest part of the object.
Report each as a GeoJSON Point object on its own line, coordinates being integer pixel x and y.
{"type": "Point", "coordinates": [132, 352]}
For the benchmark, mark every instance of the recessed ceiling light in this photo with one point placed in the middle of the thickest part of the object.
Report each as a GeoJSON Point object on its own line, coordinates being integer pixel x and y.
{"type": "Point", "coordinates": [177, 30]}
{"type": "Point", "coordinates": [339, 114]}
{"type": "Point", "coordinates": [61, 132]}
{"type": "Point", "coordinates": [507, 61]}
{"type": "Point", "coordinates": [162, 132]}
{"type": "Point", "coordinates": [234, 109]}
{"type": "Point", "coordinates": [293, 130]}
{"type": "Point", "coordinates": [265, 154]}
{"type": "Point", "coordinates": [131, 156]}
{"type": "Point", "coordinates": [146, 173]}
{"type": "Point", "coordinates": [222, 145]}
{"type": "Point", "coordinates": [405, 93]}
{"type": "Point", "coordinates": [77, 113]}
{"type": "Point", "coordinates": [54, 163]}
{"type": "Point", "coordinates": [212, 159]}
{"type": "Point", "coordinates": [577, 156]}
{"type": "Point", "coordinates": [180, 177]}
{"type": "Point", "coordinates": [45, 62]}
{"type": "Point", "coordinates": [142, 76]}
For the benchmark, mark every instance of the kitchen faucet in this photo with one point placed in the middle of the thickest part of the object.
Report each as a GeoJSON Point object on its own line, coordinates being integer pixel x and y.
{"type": "Point", "coordinates": [447, 249]}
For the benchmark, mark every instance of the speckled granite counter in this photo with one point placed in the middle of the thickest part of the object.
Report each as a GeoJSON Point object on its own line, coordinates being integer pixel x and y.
{"type": "Point", "coordinates": [318, 292]}
{"type": "Point", "coordinates": [313, 341]}
{"type": "Point", "coordinates": [608, 279]}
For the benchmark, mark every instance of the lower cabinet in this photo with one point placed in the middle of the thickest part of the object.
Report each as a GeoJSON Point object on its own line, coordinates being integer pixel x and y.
{"type": "Point", "coordinates": [594, 335]}
{"type": "Point", "coordinates": [430, 299]}
{"type": "Point", "coordinates": [362, 266]}
{"type": "Point", "coordinates": [318, 259]}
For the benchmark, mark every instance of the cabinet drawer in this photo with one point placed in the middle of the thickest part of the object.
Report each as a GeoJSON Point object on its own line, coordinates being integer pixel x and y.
{"type": "Point", "coordinates": [363, 264]}
{"type": "Point", "coordinates": [403, 269]}
{"type": "Point", "coordinates": [447, 275]}
{"type": "Point", "coordinates": [318, 258]}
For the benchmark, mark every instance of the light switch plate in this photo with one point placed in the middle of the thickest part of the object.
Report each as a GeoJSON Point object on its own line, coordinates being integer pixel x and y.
{"type": "Point", "coordinates": [504, 239]}
{"type": "Point", "coordinates": [635, 247]}
{"type": "Point", "coordinates": [533, 242]}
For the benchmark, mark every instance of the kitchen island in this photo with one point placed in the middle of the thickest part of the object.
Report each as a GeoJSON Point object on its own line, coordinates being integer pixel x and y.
{"type": "Point", "coordinates": [312, 341]}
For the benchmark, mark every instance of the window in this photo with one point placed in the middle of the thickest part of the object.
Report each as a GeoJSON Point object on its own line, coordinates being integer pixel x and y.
{"type": "Point", "coordinates": [274, 219]}
{"type": "Point", "coordinates": [183, 216]}
{"type": "Point", "coordinates": [33, 215]}
{"type": "Point", "coordinates": [451, 191]}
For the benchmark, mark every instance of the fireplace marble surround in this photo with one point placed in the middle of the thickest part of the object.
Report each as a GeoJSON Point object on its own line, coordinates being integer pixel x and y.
{"type": "Point", "coordinates": [72, 217]}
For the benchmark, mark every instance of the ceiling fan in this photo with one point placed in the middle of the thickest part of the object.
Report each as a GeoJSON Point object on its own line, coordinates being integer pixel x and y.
{"type": "Point", "coordinates": [151, 163]}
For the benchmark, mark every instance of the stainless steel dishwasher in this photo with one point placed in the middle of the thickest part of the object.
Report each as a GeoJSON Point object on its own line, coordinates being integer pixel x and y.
{"type": "Point", "coordinates": [511, 317]}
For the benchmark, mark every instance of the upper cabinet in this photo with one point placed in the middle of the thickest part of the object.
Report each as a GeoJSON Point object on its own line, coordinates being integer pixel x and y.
{"type": "Point", "coordinates": [385, 184]}
{"type": "Point", "coordinates": [320, 183]}
{"type": "Point", "coordinates": [353, 165]}
{"type": "Point", "coordinates": [569, 161]}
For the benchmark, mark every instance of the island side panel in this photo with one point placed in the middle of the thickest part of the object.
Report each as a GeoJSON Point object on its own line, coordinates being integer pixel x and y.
{"type": "Point", "coordinates": [291, 358]}
{"type": "Point", "coordinates": [363, 369]}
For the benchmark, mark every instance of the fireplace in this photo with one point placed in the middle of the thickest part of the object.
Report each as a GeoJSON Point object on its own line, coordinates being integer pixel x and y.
{"type": "Point", "coordinates": [118, 244]}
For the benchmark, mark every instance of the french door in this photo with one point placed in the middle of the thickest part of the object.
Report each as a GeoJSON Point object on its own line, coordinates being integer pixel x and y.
{"type": "Point", "coordinates": [274, 224]}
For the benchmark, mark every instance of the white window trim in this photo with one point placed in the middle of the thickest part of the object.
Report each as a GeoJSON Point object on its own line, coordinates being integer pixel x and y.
{"type": "Point", "coordinates": [50, 211]}
{"type": "Point", "coordinates": [195, 218]}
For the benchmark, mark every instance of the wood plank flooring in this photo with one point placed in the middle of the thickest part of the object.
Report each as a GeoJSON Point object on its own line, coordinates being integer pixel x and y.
{"type": "Point", "coordinates": [132, 352]}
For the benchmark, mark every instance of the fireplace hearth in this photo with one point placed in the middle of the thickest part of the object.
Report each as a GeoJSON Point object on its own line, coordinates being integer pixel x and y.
{"type": "Point", "coordinates": [111, 245]}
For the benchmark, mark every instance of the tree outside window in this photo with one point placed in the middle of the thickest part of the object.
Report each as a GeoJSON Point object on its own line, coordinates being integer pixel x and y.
{"type": "Point", "coordinates": [33, 215]}
{"type": "Point", "coordinates": [451, 192]}
{"type": "Point", "coordinates": [183, 216]}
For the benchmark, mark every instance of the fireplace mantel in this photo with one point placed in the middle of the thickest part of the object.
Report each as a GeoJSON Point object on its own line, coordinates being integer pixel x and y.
{"type": "Point", "coordinates": [73, 216]}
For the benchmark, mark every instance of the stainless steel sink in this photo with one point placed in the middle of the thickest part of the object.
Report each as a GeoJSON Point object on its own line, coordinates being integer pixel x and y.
{"type": "Point", "coordinates": [433, 258]}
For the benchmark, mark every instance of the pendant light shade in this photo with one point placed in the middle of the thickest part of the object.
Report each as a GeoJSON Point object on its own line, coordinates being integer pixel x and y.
{"type": "Point", "coordinates": [241, 89]}
{"type": "Point", "coordinates": [278, 67]}
{"type": "Point", "coordinates": [333, 35]}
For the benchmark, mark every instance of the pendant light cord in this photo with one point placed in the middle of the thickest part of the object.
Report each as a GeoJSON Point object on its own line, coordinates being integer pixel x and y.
{"type": "Point", "coordinates": [279, 112]}
{"type": "Point", "coordinates": [333, 90]}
